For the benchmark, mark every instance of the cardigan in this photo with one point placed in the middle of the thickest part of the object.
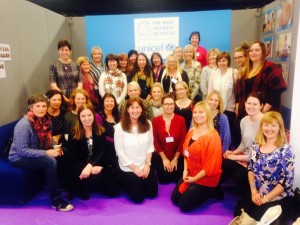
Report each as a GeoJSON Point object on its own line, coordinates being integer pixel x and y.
{"type": "Point", "coordinates": [268, 82]}
{"type": "Point", "coordinates": [177, 132]}
{"type": "Point", "coordinates": [205, 153]}
{"type": "Point", "coordinates": [25, 142]}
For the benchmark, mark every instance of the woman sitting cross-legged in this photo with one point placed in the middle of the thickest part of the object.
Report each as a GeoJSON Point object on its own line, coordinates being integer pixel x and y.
{"type": "Point", "coordinates": [202, 162]}
{"type": "Point", "coordinates": [134, 147]}
{"type": "Point", "coordinates": [270, 171]}
{"type": "Point", "coordinates": [86, 147]}
{"type": "Point", "coordinates": [169, 133]}
{"type": "Point", "coordinates": [32, 148]}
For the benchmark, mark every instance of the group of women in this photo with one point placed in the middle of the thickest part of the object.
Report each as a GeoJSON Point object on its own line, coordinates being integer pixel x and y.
{"type": "Point", "coordinates": [136, 122]}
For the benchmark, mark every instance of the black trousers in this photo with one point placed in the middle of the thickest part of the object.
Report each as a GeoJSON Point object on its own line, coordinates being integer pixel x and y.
{"type": "Point", "coordinates": [138, 188]}
{"type": "Point", "coordinates": [164, 176]}
{"type": "Point", "coordinates": [237, 173]}
{"type": "Point", "coordinates": [256, 212]}
{"type": "Point", "coordinates": [192, 197]}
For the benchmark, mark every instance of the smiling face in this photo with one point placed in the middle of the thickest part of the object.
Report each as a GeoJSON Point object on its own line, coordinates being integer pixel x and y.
{"type": "Point", "coordinates": [141, 61]}
{"type": "Point", "coordinates": [112, 64]}
{"type": "Point", "coordinates": [168, 106]}
{"type": "Point", "coordinates": [181, 92]}
{"type": "Point", "coordinates": [156, 60]}
{"type": "Point", "coordinates": [134, 111]}
{"type": "Point", "coordinates": [79, 100]}
{"type": "Point", "coordinates": [109, 103]}
{"type": "Point", "coordinates": [172, 63]}
{"type": "Point", "coordinates": [55, 102]}
{"type": "Point", "coordinates": [133, 92]}
{"type": "Point", "coordinates": [255, 53]}
{"type": "Point", "coordinates": [212, 57]}
{"type": "Point", "coordinates": [253, 106]}
{"type": "Point", "coordinates": [86, 118]}
{"type": "Point", "coordinates": [97, 56]}
{"type": "Point", "coordinates": [194, 40]}
{"type": "Point", "coordinates": [223, 63]}
{"type": "Point", "coordinates": [64, 53]}
{"type": "Point", "coordinates": [213, 102]}
{"type": "Point", "coordinates": [132, 58]}
{"type": "Point", "coordinates": [240, 59]}
{"type": "Point", "coordinates": [156, 93]}
{"type": "Point", "coordinates": [189, 54]}
{"type": "Point", "coordinates": [39, 109]}
{"type": "Point", "coordinates": [199, 115]}
{"type": "Point", "coordinates": [85, 67]}
{"type": "Point", "coordinates": [178, 53]}
{"type": "Point", "coordinates": [123, 63]}
{"type": "Point", "coordinates": [271, 130]}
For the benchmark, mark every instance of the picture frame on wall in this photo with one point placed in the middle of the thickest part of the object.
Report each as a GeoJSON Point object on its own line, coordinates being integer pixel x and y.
{"type": "Point", "coordinates": [269, 43]}
{"type": "Point", "coordinates": [269, 21]}
{"type": "Point", "coordinates": [283, 47]}
{"type": "Point", "coordinates": [284, 14]}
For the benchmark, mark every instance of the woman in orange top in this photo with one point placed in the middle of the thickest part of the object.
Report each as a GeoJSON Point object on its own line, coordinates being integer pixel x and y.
{"type": "Point", "coordinates": [202, 162]}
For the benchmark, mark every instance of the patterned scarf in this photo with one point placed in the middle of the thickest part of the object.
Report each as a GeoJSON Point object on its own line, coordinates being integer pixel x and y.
{"type": "Point", "coordinates": [43, 129]}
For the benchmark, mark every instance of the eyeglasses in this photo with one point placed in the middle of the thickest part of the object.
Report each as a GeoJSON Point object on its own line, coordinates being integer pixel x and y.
{"type": "Point", "coordinates": [168, 104]}
{"type": "Point", "coordinates": [238, 57]}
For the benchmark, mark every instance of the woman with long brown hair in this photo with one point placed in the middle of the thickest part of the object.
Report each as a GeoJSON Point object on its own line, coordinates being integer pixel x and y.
{"type": "Point", "coordinates": [134, 147]}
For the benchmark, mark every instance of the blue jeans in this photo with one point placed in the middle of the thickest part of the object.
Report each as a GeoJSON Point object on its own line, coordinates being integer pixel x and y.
{"type": "Point", "coordinates": [46, 163]}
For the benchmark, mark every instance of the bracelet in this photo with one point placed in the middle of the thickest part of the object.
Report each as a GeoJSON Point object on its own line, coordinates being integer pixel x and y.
{"type": "Point", "coordinates": [265, 198]}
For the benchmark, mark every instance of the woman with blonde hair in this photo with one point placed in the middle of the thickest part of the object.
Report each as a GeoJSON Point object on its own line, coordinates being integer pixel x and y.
{"type": "Point", "coordinates": [97, 65]}
{"type": "Point", "coordinates": [183, 105]}
{"type": "Point", "coordinates": [157, 93]}
{"type": "Point", "coordinates": [221, 124]}
{"type": "Point", "coordinates": [193, 69]}
{"type": "Point", "coordinates": [172, 74]}
{"type": "Point", "coordinates": [202, 162]}
{"type": "Point", "coordinates": [270, 171]}
{"type": "Point", "coordinates": [209, 69]}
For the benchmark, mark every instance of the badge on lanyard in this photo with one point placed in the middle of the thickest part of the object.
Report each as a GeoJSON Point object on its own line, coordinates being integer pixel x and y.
{"type": "Point", "coordinates": [174, 80]}
{"type": "Point", "coordinates": [169, 139]}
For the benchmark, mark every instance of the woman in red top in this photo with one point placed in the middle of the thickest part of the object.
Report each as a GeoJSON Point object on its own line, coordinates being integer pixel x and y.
{"type": "Point", "coordinates": [169, 133]}
{"type": "Point", "coordinates": [202, 153]}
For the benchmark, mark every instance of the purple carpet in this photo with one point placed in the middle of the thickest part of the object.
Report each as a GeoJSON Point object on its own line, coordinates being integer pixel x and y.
{"type": "Point", "coordinates": [120, 211]}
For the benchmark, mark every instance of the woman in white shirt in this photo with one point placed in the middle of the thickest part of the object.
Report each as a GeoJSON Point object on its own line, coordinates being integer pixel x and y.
{"type": "Point", "coordinates": [223, 80]}
{"type": "Point", "coordinates": [134, 147]}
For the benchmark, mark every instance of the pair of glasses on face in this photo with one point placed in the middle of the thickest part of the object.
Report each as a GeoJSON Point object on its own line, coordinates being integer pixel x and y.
{"type": "Point", "coordinates": [168, 104]}
{"type": "Point", "coordinates": [238, 57]}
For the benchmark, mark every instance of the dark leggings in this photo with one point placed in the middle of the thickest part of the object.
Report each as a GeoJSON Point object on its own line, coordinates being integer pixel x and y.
{"type": "Point", "coordinates": [138, 188]}
{"type": "Point", "coordinates": [164, 176]}
{"type": "Point", "coordinates": [256, 212]}
{"type": "Point", "coordinates": [237, 173]}
{"type": "Point", "coordinates": [192, 197]}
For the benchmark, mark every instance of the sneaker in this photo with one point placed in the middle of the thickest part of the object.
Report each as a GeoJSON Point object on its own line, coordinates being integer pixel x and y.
{"type": "Point", "coordinates": [270, 215]}
{"type": "Point", "coordinates": [61, 205]}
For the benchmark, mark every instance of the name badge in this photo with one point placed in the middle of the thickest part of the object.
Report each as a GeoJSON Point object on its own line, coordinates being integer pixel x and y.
{"type": "Point", "coordinates": [186, 153]}
{"type": "Point", "coordinates": [174, 80]}
{"type": "Point", "coordinates": [169, 139]}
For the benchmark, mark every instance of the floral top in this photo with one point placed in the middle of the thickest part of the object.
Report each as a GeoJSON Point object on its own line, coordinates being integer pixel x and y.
{"type": "Point", "coordinates": [273, 168]}
{"type": "Point", "coordinates": [193, 73]}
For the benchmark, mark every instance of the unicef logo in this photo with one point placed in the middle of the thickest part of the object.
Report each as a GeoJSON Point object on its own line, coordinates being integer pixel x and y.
{"type": "Point", "coordinates": [170, 46]}
{"type": "Point", "coordinates": [144, 28]}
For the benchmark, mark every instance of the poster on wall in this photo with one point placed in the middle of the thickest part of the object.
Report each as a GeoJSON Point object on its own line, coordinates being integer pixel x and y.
{"type": "Point", "coordinates": [5, 54]}
{"type": "Point", "coordinates": [285, 72]}
{"type": "Point", "coordinates": [284, 14]}
{"type": "Point", "coordinates": [2, 70]}
{"type": "Point", "coordinates": [283, 47]}
{"type": "Point", "coordinates": [269, 47]}
{"type": "Point", "coordinates": [156, 35]}
{"type": "Point", "coordinates": [269, 21]}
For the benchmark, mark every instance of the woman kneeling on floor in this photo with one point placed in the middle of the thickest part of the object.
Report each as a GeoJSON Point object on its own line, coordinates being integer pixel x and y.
{"type": "Point", "coordinates": [32, 147]}
{"type": "Point", "coordinates": [202, 162]}
{"type": "Point", "coordinates": [86, 147]}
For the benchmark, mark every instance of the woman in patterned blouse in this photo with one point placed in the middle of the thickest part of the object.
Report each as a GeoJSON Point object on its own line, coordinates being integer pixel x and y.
{"type": "Point", "coordinates": [270, 171]}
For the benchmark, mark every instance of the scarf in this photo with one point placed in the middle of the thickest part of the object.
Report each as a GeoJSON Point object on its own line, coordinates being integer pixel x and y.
{"type": "Point", "coordinates": [43, 129]}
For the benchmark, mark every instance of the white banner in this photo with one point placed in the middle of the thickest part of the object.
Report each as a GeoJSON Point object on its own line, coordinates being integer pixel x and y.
{"type": "Point", "coordinates": [156, 35]}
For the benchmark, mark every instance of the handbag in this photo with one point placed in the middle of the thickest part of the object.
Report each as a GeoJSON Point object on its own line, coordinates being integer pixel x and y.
{"type": "Point", "coordinates": [6, 149]}
{"type": "Point", "coordinates": [243, 219]}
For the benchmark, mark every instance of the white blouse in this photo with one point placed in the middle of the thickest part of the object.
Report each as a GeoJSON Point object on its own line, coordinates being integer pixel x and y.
{"type": "Point", "coordinates": [132, 148]}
